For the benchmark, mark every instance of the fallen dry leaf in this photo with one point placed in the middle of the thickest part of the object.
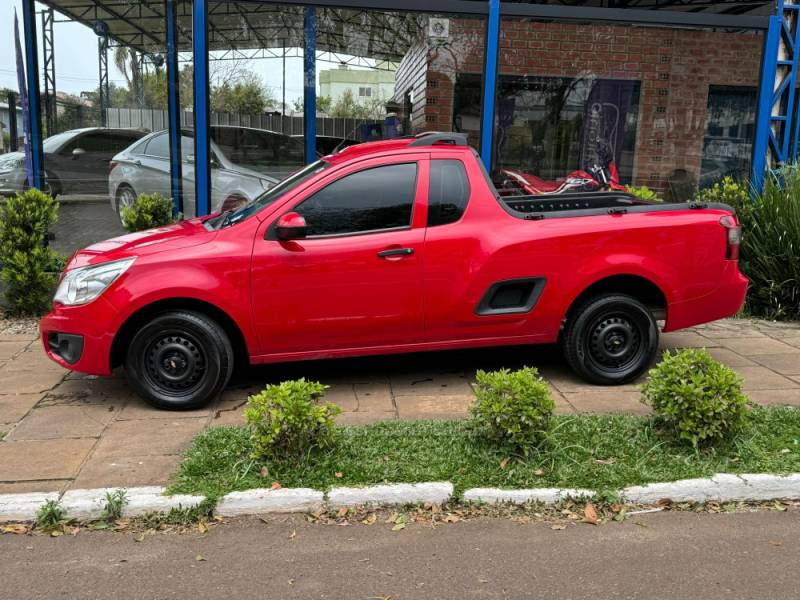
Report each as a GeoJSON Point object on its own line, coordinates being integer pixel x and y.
{"type": "Point", "coordinates": [538, 472]}
{"type": "Point", "coordinates": [342, 512]}
{"type": "Point", "coordinates": [338, 474]}
{"type": "Point", "coordinates": [398, 526]}
{"type": "Point", "coordinates": [202, 527]}
{"type": "Point", "coordinates": [200, 558]}
{"type": "Point", "coordinates": [558, 527]}
{"type": "Point", "coordinates": [264, 471]}
{"type": "Point", "coordinates": [451, 518]}
{"type": "Point", "coordinates": [139, 538]}
{"type": "Point", "coordinates": [370, 520]}
{"type": "Point", "coordinates": [504, 463]}
{"type": "Point", "coordinates": [275, 485]}
{"type": "Point", "coordinates": [605, 461]}
{"type": "Point", "coordinates": [590, 514]}
{"type": "Point", "coordinates": [16, 528]}
{"type": "Point", "coordinates": [292, 535]}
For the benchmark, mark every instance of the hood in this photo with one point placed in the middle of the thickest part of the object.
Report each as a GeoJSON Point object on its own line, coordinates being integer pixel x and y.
{"type": "Point", "coordinates": [243, 170]}
{"type": "Point", "coordinates": [11, 157]}
{"type": "Point", "coordinates": [142, 243]}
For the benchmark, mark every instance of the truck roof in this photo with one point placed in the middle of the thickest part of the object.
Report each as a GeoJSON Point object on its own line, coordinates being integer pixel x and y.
{"type": "Point", "coordinates": [428, 139]}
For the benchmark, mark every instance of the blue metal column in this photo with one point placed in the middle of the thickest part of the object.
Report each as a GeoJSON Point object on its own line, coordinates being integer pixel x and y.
{"type": "Point", "coordinates": [202, 124]}
{"type": "Point", "coordinates": [310, 83]}
{"type": "Point", "coordinates": [776, 132]}
{"type": "Point", "coordinates": [34, 100]}
{"type": "Point", "coordinates": [490, 83]}
{"type": "Point", "coordinates": [174, 106]}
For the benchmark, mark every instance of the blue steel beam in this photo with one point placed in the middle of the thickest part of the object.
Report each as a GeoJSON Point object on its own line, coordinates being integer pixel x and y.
{"type": "Point", "coordinates": [310, 83]}
{"type": "Point", "coordinates": [776, 135]}
{"type": "Point", "coordinates": [202, 125]}
{"type": "Point", "coordinates": [174, 106]}
{"type": "Point", "coordinates": [490, 83]}
{"type": "Point", "coordinates": [34, 99]}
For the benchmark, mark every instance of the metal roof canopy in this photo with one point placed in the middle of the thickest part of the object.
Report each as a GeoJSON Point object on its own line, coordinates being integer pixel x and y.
{"type": "Point", "coordinates": [350, 28]}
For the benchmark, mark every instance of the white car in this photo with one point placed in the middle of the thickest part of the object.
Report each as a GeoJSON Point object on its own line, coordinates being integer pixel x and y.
{"type": "Point", "coordinates": [144, 168]}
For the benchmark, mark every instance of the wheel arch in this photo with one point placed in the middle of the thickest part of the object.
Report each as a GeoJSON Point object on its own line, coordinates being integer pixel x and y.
{"type": "Point", "coordinates": [637, 286]}
{"type": "Point", "coordinates": [128, 329]}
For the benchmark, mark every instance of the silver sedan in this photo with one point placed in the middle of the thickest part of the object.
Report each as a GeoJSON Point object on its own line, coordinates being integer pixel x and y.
{"type": "Point", "coordinates": [145, 168]}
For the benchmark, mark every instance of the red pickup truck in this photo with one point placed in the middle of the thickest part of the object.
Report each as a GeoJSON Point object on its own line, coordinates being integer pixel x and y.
{"type": "Point", "coordinates": [393, 246]}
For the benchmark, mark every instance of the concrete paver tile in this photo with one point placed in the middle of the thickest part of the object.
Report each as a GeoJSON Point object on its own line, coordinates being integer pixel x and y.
{"type": "Point", "coordinates": [148, 437]}
{"type": "Point", "coordinates": [14, 407]}
{"type": "Point", "coordinates": [607, 401]}
{"type": "Point", "coordinates": [761, 378]}
{"type": "Point", "coordinates": [365, 418]}
{"type": "Point", "coordinates": [750, 347]}
{"type": "Point", "coordinates": [785, 364]}
{"type": "Point", "coordinates": [375, 397]}
{"type": "Point", "coordinates": [63, 422]}
{"type": "Point", "coordinates": [126, 471]}
{"type": "Point", "coordinates": [42, 459]}
{"type": "Point", "coordinates": [439, 406]}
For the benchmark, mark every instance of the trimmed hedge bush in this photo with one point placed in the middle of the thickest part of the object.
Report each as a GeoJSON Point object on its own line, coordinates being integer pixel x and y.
{"type": "Point", "coordinates": [512, 408]}
{"type": "Point", "coordinates": [150, 210]}
{"type": "Point", "coordinates": [287, 422]}
{"type": "Point", "coordinates": [700, 399]}
{"type": "Point", "coordinates": [29, 267]}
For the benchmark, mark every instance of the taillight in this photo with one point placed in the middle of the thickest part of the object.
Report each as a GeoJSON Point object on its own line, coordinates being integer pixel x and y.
{"type": "Point", "coordinates": [734, 231]}
{"type": "Point", "coordinates": [111, 165]}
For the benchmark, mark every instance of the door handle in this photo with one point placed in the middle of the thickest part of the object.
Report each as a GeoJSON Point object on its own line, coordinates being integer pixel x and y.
{"type": "Point", "coordinates": [395, 252]}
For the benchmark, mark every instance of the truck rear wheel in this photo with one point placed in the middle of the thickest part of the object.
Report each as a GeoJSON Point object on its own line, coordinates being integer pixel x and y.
{"type": "Point", "coordinates": [179, 360]}
{"type": "Point", "coordinates": [610, 339]}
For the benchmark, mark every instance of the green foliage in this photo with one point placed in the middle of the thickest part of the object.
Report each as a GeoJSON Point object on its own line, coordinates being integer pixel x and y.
{"type": "Point", "coordinates": [698, 397]}
{"type": "Point", "coordinates": [643, 193]}
{"type": "Point", "coordinates": [287, 422]}
{"type": "Point", "coordinates": [50, 515]}
{"type": "Point", "coordinates": [244, 93]}
{"type": "Point", "coordinates": [770, 251]}
{"type": "Point", "coordinates": [596, 452]}
{"type": "Point", "coordinates": [115, 504]}
{"type": "Point", "coordinates": [512, 409]}
{"type": "Point", "coordinates": [150, 210]}
{"type": "Point", "coordinates": [27, 265]}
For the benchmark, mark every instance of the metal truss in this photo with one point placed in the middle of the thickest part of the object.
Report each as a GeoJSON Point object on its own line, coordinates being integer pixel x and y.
{"type": "Point", "coordinates": [102, 53]}
{"type": "Point", "coordinates": [777, 132]}
{"type": "Point", "coordinates": [49, 68]}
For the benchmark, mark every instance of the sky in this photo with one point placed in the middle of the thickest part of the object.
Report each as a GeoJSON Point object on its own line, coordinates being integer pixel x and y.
{"type": "Point", "coordinates": [76, 58]}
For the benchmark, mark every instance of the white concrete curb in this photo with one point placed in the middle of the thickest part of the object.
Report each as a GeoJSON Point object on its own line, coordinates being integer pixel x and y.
{"type": "Point", "coordinates": [89, 504]}
{"type": "Point", "coordinates": [720, 488]}
{"type": "Point", "coordinates": [544, 495]}
{"type": "Point", "coordinates": [252, 502]}
{"type": "Point", "coordinates": [436, 492]}
{"type": "Point", "coordinates": [23, 507]}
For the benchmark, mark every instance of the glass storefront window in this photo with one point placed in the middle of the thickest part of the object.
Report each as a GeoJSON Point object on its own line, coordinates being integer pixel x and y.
{"type": "Point", "coordinates": [578, 103]}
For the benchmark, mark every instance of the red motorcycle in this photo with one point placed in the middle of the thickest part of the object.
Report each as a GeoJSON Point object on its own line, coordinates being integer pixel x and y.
{"type": "Point", "coordinates": [598, 178]}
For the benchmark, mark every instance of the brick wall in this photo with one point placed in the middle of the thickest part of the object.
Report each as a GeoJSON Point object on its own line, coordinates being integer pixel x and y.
{"type": "Point", "coordinates": [675, 68]}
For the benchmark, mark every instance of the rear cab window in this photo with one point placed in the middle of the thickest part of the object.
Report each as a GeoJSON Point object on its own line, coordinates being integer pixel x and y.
{"type": "Point", "coordinates": [448, 191]}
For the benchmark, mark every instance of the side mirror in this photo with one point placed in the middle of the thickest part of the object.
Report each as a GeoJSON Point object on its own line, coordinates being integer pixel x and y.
{"type": "Point", "coordinates": [77, 153]}
{"type": "Point", "coordinates": [290, 226]}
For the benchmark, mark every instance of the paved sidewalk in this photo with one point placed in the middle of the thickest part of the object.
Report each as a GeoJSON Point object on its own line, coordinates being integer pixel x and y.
{"type": "Point", "coordinates": [64, 430]}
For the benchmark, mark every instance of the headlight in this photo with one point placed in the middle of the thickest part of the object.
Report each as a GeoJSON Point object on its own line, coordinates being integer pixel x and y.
{"type": "Point", "coordinates": [83, 285]}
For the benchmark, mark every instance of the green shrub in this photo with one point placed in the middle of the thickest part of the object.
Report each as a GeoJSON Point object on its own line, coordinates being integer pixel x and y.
{"type": "Point", "coordinates": [512, 408]}
{"type": "Point", "coordinates": [287, 422]}
{"type": "Point", "coordinates": [643, 193]}
{"type": "Point", "coordinates": [150, 210]}
{"type": "Point", "coordinates": [770, 251]}
{"type": "Point", "coordinates": [28, 266]}
{"type": "Point", "coordinates": [698, 397]}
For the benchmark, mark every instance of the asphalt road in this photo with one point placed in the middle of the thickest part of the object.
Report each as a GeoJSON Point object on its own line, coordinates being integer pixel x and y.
{"type": "Point", "coordinates": [669, 555]}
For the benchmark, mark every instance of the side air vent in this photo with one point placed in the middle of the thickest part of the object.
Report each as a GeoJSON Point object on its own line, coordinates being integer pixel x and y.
{"type": "Point", "coordinates": [511, 297]}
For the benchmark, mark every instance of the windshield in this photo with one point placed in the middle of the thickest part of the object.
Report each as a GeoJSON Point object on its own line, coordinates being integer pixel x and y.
{"type": "Point", "coordinates": [276, 192]}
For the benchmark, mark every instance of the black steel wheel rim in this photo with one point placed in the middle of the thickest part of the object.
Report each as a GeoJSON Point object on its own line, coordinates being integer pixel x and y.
{"type": "Point", "coordinates": [616, 342]}
{"type": "Point", "coordinates": [175, 363]}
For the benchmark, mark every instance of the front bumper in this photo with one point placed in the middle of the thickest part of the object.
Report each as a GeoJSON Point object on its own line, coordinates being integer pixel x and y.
{"type": "Point", "coordinates": [79, 338]}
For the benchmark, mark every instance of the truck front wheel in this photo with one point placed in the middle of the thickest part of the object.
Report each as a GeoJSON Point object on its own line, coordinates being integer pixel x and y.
{"type": "Point", "coordinates": [179, 360]}
{"type": "Point", "coordinates": [610, 339]}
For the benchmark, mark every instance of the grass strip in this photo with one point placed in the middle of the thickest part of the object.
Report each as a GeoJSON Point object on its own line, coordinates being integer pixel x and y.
{"type": "Point", "coordinates": [600, 452]}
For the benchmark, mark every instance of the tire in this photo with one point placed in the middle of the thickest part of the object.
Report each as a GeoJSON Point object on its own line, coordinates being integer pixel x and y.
{"type": "Point", "coordinates": [179, 360]}
{"type": "Point", "coordinates": [610, 339]}
{"type": "Point", "coordinates": [125, 197]}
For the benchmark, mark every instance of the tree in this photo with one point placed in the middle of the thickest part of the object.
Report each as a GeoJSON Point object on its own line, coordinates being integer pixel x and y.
{"type": "Point", "coordinates": [348, 107]}
{"type": "Point", "coordinates": [323, 104]}
{"type": "Point", "coordinates": [127, 62]}
{"type": "Point", "coordinates": [246, 95]}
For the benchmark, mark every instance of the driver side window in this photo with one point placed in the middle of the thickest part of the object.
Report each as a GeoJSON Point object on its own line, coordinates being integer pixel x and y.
{"type": "Point", "coordinates": [375, 199]}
